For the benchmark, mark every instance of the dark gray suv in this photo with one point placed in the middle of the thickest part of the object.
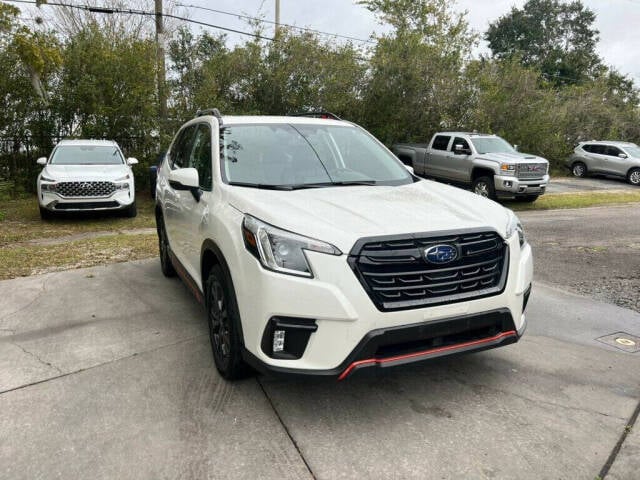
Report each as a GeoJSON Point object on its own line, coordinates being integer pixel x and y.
{"type": "Point", "coordinates": [620, 159]}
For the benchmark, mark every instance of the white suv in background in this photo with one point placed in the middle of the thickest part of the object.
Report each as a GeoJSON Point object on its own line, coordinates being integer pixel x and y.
{"type": "Point", "coordinates": [315, 251]}
{"type": "Point", "coordinates": [86, 175]}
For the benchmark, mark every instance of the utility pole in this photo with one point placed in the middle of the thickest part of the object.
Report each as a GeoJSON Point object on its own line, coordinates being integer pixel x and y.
{"type": "Point", "coordinates": [277, 32]}
{"type": "Point", "coordinates": [162, 93]}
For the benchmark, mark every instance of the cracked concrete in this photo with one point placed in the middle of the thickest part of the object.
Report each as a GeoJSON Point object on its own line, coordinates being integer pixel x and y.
{"type": "Point", "coordinates": [134, 394]}
{"type": "Point", "coordinates": [43, 362]}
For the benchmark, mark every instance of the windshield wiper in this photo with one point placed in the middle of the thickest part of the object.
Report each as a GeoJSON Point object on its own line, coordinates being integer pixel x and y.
{"type": "Point", "coordinates": [264, 186]}
{"type": "Point", "coordinates": [344, 183]}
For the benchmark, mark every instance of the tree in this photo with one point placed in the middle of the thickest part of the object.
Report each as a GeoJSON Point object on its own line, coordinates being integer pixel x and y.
{"type": "Point", "coordinates": [556, 37]}
{"type": "Point", "coordinates": [416, 85]}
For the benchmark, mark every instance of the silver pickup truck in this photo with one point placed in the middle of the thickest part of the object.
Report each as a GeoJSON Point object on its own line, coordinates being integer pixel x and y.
{"type": "Point", "coordinates": [487, 163]}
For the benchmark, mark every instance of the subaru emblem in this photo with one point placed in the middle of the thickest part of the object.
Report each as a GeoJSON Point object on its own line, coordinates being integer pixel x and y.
{"type": "Point", "coordinates": [441, 254]}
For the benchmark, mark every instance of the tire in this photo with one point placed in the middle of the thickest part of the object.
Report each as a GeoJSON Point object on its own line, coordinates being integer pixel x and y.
{"type": "Point", "coordinates": [167, 267]}
{"type": "Point", "coordinates": [131, 211]}
{"type": "Point", "coordinates": [484, 187]}
{"type": "Point", "coordinates": [224, 326]}
{"type": "Point", "coordinates": [45, 214]}
{"type": "Point", "coordinates": [579, 170]}
{"type": "Point", "coordinates": [633, 177]}
{"type": "Point", "coordinates": [527, 198]}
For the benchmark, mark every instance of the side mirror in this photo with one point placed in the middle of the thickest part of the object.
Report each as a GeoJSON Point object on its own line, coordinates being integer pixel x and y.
{"type": "Point", "coordinates": [515, 147]}
{"type": "Point", "coordinates": [459, 149]}
{"type": "Point", "coordinates": [132, 161]}
{"type": "Point", "coordinates": [184, 179]}
{"type": "Point", "coordinates": [410, 169]}
{"type": "Point", "coordinates": [42, 161]}
{"type": "Point", "coordinates": [622, 155]}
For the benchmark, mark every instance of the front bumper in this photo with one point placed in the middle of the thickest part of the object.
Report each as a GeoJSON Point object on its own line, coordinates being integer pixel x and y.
{"type": "Point", "coordinates": [119, 200]}
{"type": "Point", "coordinates": [346, 317]}
{"type": "Point", "coordinates": [510, 186]}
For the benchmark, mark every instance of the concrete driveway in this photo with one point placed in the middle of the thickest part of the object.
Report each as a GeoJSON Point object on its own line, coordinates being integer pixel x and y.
{"type": "Point", "coordinates": [106, 373]}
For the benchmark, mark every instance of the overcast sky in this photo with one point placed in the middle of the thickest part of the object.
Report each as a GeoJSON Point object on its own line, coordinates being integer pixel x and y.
{"type": "Point", "coordinates": [617, 21]}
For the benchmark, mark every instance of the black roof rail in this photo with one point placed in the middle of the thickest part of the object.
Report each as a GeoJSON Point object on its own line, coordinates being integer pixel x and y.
{"type": "Point", "coordinates": [317, 114]}
{"type": "Point", "coordinates": [210, 111]}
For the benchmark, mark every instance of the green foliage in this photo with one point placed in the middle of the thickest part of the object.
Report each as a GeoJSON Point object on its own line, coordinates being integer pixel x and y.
{"type": "Point", "coordinates": [556, 37]}
{"type": "Point", "coordinates": [544, 89]}
{"type": "Point", "coordinates": [415, 82]}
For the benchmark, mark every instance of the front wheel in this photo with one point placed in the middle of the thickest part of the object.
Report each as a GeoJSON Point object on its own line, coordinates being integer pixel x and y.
{"type": "Point", "coordinates": [484, 187]}
{"type": "Point", "coordinates": [634, 176]}
{"type": "Point", "coordinates": [45, 214]}
{"type": "Point", "coordinates": [224, 326]}
{"type": "Point", "coordinates": [579, 169]}
{"type": "Point", "coordinates": [131, 210]}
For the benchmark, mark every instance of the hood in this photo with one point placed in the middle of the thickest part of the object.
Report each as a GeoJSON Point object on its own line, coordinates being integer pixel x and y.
{"type": "Point", "coordinates": [513, 157]}
{"type": "Point", "coordinates": [342, 215]}
{"type": "Point", "coordinates": [85, 172]}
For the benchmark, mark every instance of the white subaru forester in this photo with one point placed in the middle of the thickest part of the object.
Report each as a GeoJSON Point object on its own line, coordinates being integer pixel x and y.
{"type": "Point", "coordinates": [315, 251]}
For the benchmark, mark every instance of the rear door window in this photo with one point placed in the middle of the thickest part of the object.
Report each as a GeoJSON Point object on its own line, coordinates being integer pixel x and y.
{"type": "Point", "coordinates": [441, 142]}
{"type": "Point", "coordinates": [597, 149]}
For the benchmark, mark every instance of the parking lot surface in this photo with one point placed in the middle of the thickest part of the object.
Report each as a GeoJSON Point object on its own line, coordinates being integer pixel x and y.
{"type": "Point", "coordinates": [107, 373]}
{"type": "Point", "coordinates": [589, 184]}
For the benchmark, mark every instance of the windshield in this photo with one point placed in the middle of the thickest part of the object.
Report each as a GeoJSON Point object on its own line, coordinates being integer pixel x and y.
{"type": "Point", "coordinates": [633, 151]}
{"type": "Point", "coordinates": [304, 156]}
{"type": "Point", "coordinates": [492, 145]}
{"type": "Point", "coordinates": [87, 155]}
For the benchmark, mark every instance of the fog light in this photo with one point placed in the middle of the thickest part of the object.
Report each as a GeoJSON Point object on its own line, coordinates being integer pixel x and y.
{"type": "Point", "coordinates": [278, 340]}
{"type": "Point", "coordinates": [507, 183]}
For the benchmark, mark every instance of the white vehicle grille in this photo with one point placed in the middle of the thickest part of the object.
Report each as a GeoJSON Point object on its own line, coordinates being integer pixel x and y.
{"type": "Point", "coordinates": [85, 189]}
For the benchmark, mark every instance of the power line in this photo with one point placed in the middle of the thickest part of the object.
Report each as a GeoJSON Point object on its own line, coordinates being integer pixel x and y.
{"type": "Point", "coordinates": [262, 20]}
{"type": "Point", "coordinates": [130, 11]}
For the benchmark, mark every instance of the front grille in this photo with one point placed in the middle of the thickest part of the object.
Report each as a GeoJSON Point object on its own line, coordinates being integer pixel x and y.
{"type": "Point", "coordinates": [531, 170]}
{"type": "Point", "coordinates": [85, 189]}
{"type": "Point", "coordinates": [396, 275]}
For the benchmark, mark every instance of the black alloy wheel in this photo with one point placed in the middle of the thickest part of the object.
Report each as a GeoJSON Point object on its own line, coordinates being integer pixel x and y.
{"type": "Point", "coordinates": [224, 321]}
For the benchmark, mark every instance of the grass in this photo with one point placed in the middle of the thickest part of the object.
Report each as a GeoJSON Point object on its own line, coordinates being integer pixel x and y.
{"type": "Point", "coordinates": [20, 221]}
{"type": "Point", "coordinates": [577, 200]}
{"type": "Point", "coordinates": [26, 260]}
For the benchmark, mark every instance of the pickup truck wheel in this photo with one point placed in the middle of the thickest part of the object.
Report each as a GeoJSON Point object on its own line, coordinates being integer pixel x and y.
{"type": "Point", "coordinates": [579, 169]}
{"type": "Point", "coordinates": [163, 245]}
{"type": "Point", "coordinates": [483, 186]}
{"type": "Point", "coordinates": [634, 176]}
{"type": "Point", "coordinates": [224, 319]}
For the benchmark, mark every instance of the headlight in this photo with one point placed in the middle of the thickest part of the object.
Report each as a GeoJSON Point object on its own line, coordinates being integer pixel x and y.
{"type": "Point", "coordinates": [513, 226]}
{"type": "Point", "coordinates": [280, 250]}
{"type": "Point", "coordinates": [122, 183]}
{"type": "Point", "coordinates": [507, 168]}
{"type": "Point", "coordinates": [47, 187]}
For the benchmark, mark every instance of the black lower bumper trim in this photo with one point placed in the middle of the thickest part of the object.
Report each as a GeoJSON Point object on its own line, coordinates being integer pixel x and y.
{"type": "Point", "coordinates": [412, 343]}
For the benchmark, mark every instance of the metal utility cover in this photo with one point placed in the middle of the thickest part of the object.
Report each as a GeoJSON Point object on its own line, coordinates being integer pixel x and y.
{"type": "Point", "coordinates": [623, 341]}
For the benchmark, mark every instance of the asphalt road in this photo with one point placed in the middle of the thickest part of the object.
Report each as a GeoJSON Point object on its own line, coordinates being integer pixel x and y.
{"type": "Point", "coordinates": [592, 251]}
{"type": "Point", "coordinates": [589, 184]}
{"type": "Point", "coordinates": [106, 373]}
